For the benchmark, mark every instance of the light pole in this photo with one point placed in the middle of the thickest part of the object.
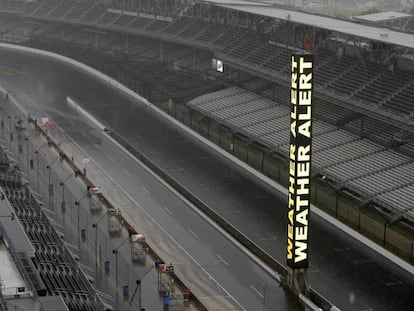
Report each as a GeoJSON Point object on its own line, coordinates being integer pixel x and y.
{"type": "Point", "coordinates": [115, 251]}
{"type": "Point", "coordinates": [10, 132]}
{"type": "Point", "coordinates": [2, 121]}
{"type": "Point", "coordinates": [49, 185]}
{"type": "Point", "coordinates": [62, 183]}
{"type": "Point", "coordinates": [139, 286]}
{"type": "Point", "coordinates": [264, 295]}
{"type": "Point", "coordinates": [77, 203]}
{"type": "Point", "coordinates": [27, 150]}
{"type": "Point", "coordinates": [37, 160]}
{"type": "Point", "coordinates": [95, 226]}
{"type": "Point", "coordinates": [49, 166]}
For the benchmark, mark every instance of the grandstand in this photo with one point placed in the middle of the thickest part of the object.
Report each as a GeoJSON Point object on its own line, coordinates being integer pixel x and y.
{"type": "Point", "coordinates": [364, 112]}
{"type": "Point", "coordinates": [46, 265]}
{"type": "Point", "coordinates": [357, 90]}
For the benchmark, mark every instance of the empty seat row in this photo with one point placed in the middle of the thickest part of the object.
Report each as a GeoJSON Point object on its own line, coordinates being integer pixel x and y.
{"type": "Point", "coordinates": [395, 177]}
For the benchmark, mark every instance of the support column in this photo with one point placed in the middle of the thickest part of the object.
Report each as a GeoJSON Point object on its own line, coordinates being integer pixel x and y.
{"type": "Point", "coordinates": [297, 280]}
{"type": "Point", "coordinates": [298, 211]}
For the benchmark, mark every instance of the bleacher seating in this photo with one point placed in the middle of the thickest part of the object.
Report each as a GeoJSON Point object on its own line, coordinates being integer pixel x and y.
{"type": "Point", "coordinates": [51, 261]}
{"type": "Point", "coordinates": [63, 8]}
{"type": "Point", "coordinates": [54, 264]}
{"type": "Point", "coordinates": [396, 178]}
{"type": "Point", "coordinates": [367, 165]}
{"type": "Point", "coordinates": [332, 69]}
{"type": "Point", "coordinates": [355, 77]}
{"type": "Point", "coordinates": [279, 61]}
{"type": "Point", "coordinates": [247, 46]}
{"type": "Point", "coordinates": [30, 7]}
{"type": "Point", "coordinates": [212, 106]}
{"type": "Point", "coordinates": [211, 33]}
{"type": "Point", "coordinates": [176, 27]}
{"type": "Point", "coordinates": [229, 38]}
{"type": "Point", "coordinates": [123, 21]}
{"type": "Point", "coordinates": [344, 156]}
{"type": "Point", "coordinates": [381, 132]}
{"type": "Point", "coordinates": [94, 13]}
{"type": "Point", "coordinates": [408, 147]}
{"type": "Point", "coordinates": [268, 127]}
{"type": "Point", "coordinates": [278, 141]}
{"type": "Point", "coordinates": [255, 114]}
{"type": "Point", "coordinates": [46, 7]}
{"type": "Point", "coordinates": [195, 28]}
{"type": "Point", "coordinates": [403, 101]}
{"type": "Point", "coordinates": [12, 6]}
{"type": "Point", "coordinates": [219, 94]}
{"type": "Point", "coordinates": [332, 139]}
{"type": "Point", "coordinates": [157, 25]}
{"type": "Point", "coordinates": [328, 111]}
{"type": "Point", "coordinates": [344, 153]}
{"type": "Point", "coordinates": [264, 52]}
{"type": "Point", "coordinates": [108, 18]}
{"type": "Point", "coordinates": [80, 9]}
{"type": "Point", "coordinates": [139, 23]}
{"type": "Point", "coordinates": [402, 199]}
{"type": "Point", "coordinates": [257, 85]}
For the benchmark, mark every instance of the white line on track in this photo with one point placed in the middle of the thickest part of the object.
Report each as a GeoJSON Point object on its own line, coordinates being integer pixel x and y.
{"type": "Point", "coordinates": [146, 190]}
{"type": "Point", "coordinates": [257, 291]}
{"type": "Point", "coordinates": [193, 233]}
{"type": "Point", "coordinates": [110, 158]}
{"type": "Point", "coordinates": [167, 210]}
{"type": "Point", "coordinates": [126, 173]}
{"type": "Point", "coordinates": [222, 260]}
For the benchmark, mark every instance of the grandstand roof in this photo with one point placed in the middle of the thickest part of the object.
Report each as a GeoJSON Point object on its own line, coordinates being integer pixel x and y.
{"type": "Point", "coordinates": [341, 26]}
{"type": "Point", "coordinates": [382, 16]}
{"type": "Point", "coordinates": [238, 2]}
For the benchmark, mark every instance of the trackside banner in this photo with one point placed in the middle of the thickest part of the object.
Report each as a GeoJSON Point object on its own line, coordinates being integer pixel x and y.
{"type": "Point", "coordinates": [299, 160]}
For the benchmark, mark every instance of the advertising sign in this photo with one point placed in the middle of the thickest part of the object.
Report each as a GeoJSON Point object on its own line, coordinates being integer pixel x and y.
{"type": "Point", "coordinates": [299, 161]}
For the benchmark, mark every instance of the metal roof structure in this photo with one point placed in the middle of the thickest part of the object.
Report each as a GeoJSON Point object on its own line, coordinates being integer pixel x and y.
{"type": "Point", "coordinates": [238, 2]}
{"type": "Point", "coordinates": [324, 22]}
{"type": "Point", "coordinates": [382, 16]}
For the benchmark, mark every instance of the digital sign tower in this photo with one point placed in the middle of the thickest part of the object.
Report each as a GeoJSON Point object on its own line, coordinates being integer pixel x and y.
{"type": "Point", "coordinates": [299, 169]}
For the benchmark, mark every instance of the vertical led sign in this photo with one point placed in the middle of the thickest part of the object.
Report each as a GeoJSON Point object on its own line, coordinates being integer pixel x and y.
{"type": "Point", "coordinates": [299, 160]}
